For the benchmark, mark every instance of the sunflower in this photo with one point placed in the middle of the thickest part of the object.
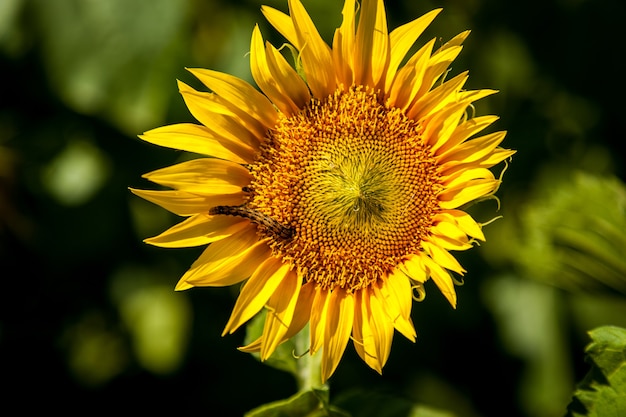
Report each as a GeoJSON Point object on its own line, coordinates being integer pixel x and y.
{"type": "Point", "coordinates": [335, 193]}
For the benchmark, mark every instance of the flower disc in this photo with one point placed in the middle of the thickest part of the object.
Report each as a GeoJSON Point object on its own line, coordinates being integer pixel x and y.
{"type": "Point", "coordinates": [355, 183]}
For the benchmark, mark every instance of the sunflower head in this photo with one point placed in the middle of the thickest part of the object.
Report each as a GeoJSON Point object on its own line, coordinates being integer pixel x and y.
{"type": "Point", "coordinates": [335, 192]}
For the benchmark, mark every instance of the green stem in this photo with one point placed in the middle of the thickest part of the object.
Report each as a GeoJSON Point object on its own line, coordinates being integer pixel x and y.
{"type": "Point", "coordinates": [309, 366]}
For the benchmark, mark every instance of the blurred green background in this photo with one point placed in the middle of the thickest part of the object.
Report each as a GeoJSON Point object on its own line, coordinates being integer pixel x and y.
{"type": "Point", "coordinates": [88, 314]}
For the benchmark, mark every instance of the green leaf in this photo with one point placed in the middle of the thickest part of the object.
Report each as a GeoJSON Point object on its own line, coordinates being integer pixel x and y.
{"type": "Point", "coordinates": [312, 403]}
{"type": "Point", "coordinates": [372, 404]}
{"type": "Point", "coordinates": [602, 393]}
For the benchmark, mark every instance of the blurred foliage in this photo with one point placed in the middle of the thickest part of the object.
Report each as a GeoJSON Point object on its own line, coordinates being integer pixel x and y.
{"type": "Point", "coordinates": [533, 328]}
{"type": "Point", "coordinates": [96, 317]}
{"type": "Point", "coordinates": [100, 61]}
{"type": "Point", "coordinates": [570, 232]}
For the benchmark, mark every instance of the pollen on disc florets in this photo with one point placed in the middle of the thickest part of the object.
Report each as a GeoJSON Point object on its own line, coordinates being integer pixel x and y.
{"type": "Point", "coordinates": [353, 180]}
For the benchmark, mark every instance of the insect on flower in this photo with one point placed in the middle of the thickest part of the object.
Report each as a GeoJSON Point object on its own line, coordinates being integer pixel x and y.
{"type": "Point", "coordinates": [271, 225]}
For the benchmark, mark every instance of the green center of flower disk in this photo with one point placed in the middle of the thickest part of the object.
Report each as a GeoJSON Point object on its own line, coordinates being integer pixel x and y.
{"type": "Point", "coordinates": [345, 189]}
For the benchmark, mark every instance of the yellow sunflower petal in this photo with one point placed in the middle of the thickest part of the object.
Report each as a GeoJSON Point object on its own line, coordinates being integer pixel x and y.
{"type": "Point", "coordinates": [453, 198]}
{"type": "Point", "coordinates": [372, 329]}
{"type": "Point", "coordinates": [472, 96]}
{"type": "Point", "coordinates": [443, 257]}
{"type": "Point", "coordinates": [319, 311]}
{"type": "Point", "coordinates": [253, 105]}
{"type": "Point", "coordinates": [302, 312]}
{"type": "Point", "coordinates": [463, 132]}
{"type": "Point", "coordinates": [364, 342]}
{"type": "Point", "coordinates": [228, 261]}
{"type": "Point", "coordinates": [212, 103]}
{"type": "Point", "coordinates": [408, 81]}
{"type": "Point", "coordinates": [442, 279]}
{"type": "Point", "coordinates": [266, 78]}
{"type": "Point", "coordinates": [252, 347]}
{"type": "Point", "coordinates": [227, 271]}
{"type": "Point", "coordinates": [397, 297]}
{"type": "Point", "coordinates": [381, 325]}
{"type": "Point", "coordinates": [472, 150]}
{"type": "Point", "coordinates": [287, 78]}
{"type": "Point", "coordinates": [199, 229]}
{"type": "Point", "coordinates": [440, 126]}
{"type": "Point", "coordinates": [449, 236]}
{"type": "Point", "coordinates": [462, 177]}
{"type": "Point", "coordinates": [402, 39]}
{"type": "Point", "coordinates": [183, 285]}
{"type": "Point", "coordinates": [372, 44]}
{"type": "Point", "coordinates": [280, 310]}
{"type": "Point", "coordinates": [414, 268]}
{"type": "Point", "coordinates": [337, 330]}
{"type": "Point", "coordinates": [438, 64]}
{"type": "Point", "coordinates": [199, 139]}
{"type": "Point", "coordinates": [498, 155]}
{"type": "Point", "coordinates": [447, 243]}
{"type": "Point", "coordinates": [466, 223]}
{"type": "Point", "coordinates": [437, 98]}
{"type": "Point", "coordinates": [454, 42]}
{"type": "Point", "coordinates": [187, 204]}
{"type": "Point", "coordinates": [398, 288]}
{"type": "Point", "coordinates": [222, 124]}
{"type": "Point", "coordinates": [300, 318]}
{"type": "Point", "coordinates": [282, 23]}
{"type": "Point", "coordinates": [256, 291]}
{"type": "Point", "coordinates": [445, 225]}
{"type": "Point", "coordinates": [343, 45]}
{"type": "Point", "coordinates": [314, 52]}
{"type": "Point", "coordinates": [203, 176]}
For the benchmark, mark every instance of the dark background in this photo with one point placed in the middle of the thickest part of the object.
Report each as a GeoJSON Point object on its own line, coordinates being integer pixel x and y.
{"type": "Point", "coordinates": [89, 320]}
